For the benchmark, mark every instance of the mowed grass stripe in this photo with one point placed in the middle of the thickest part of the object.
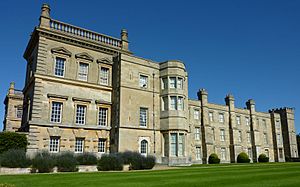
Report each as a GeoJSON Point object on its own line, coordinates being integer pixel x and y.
{"type": "Point", "coordinates": [279, 174]}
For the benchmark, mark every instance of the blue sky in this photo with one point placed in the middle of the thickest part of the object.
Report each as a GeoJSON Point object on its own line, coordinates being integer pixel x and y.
{"type": "Point", "coordinates": [249, 48]}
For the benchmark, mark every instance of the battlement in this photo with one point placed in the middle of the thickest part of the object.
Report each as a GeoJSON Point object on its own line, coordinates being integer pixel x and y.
{"type": "Point", "coordinates": [282, 110]}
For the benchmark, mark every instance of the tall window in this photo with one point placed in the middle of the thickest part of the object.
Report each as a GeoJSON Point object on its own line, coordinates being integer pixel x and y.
{"type": "Point", "coordinates": [143, 117]}
{"type": "Point", "coordinates": [173, 104]}
{"type": "Point", "coordinates": [144, 147]}
{"type": "Point", "coordinates": [222, 135]}
{"type": "Point", "coordinates": [223, 153]}
{"type": "Point", "coordinates": [279, 139]}
{"type": "Point", "coordinates": [238, 120]}
{"type": "Point", "coordinates": [172, 82]}
{"type": "Point", "coordinates": [198, 153]}
{"type": "Point", "coordinates": [143, 81]}
{"type": "Point", "coordinates": [213, 133]}
{"type": "Point", "coordinates": [248, 137]}
{"type": "Point", "coordinates": [264, 123]}
{"type": "Point", "coordinates": [221, 118]}
{"type": "Point", "coordinates": [277, 123]}
{"type": "Point", "coordinates": [165, 103]}
{"type": "Point", "coordinates": [180, 103]}
{"type": "Point", "coordinates": [164, 83]}
{"type": "Point", "coordinates": [180, 83]}
{"type": "Point", "coordinates": [211, 116]}
{"type": "Point", "coordinates": [267, 152]}
{"type": "Point", "coordinates": [247, 121]}
{"type": "Point", "coordinates": [265, 138]}
{"type": "Point", "coordinates": [196, 114]}
{"type": "Point", "coordinates": [173, 144]}
{"type": "Point", "coordinates": [197, 133]}
{"type": "Point", "coordinates": [101, 145]}
{"type": "Point", "coordinates": [180, 145]}
{"type": "Point", "coordinates": [80, 114]}
{"type": "Point", "coordinates": [240, 136]}
{"type": "Point", "coordinates": [56, 111]}
{"type": "Point", "coordinates": [79, 144]}
{"type": "Point", "coordinates": [54, 144]}
{"type": "Point", "coordinates": [104, 74]}
{"type": "Point", "coordinates": [59, 67]}
{"type": "Point", "coordinates": [83, 71]}
{"type": "Point", "coordinates": [280, 153]}
{"type": "Point", "coordinates": [250, 153]}
{"type": "Point", "coordinates": [19, 112]}
{"type": "Point", "coordinates": [102, 116]}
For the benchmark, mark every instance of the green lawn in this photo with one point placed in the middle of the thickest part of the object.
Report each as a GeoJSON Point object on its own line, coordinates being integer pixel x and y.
{"type": "Point", "coordinates": [252, 175]}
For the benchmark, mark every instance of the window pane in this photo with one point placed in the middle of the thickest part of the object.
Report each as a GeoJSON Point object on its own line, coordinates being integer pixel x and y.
{"type": "Point", "coordinates": [79, 143]}
{"type": "Point", "coordinates": [172, 82]}
{"type": "Point", "coordinates": [164, 83]}
{"type": "Point", "coordinates": [143, 81]}
{"type": "Point", "coordinates": [222, 135]}
{"type": "Point", "coordinates": [198, 153]}
{"type": "Point", "coordinates": [196, 114]}
{"type": "Point", "coordinates": [223, 154]}
{"type": "Point", "coordinates": [144, 147]}
{"type": "Point", "coordinates": [54, 144]}
{"type": "Point", "coordinates": [56, 112]}
{"type": "Point", "coordinates": [101, 145]}
{"type": "Point", "coordinates": [80, 114]}
{"type": "Point", "coordinates": [19, 112]}
{"type": "Point", "coordinates": [181, 145]}
{"type": "Point", "coordinates": [173, 144]}
{"type": "Point", "coordinates": [211, 116]}
{"type": "Point", "coordinates": [197, 133]}
{"type": "Point", "coordinates": [59, 67]}
{"type": "Point", "coordinates": [104, 73]}
{"type": "Point", "coordinates": [143, 117]}
{"type": "Point", "coordinates": [173, 104]}
{"type": "Point", "coordinates": [180, 103]}
{"type": "Point", "coordinates": [83, 71]}
{"type": "Point", "coordinates": [180, 83]}
{"type": "Point", "coordinates": [102, 116]}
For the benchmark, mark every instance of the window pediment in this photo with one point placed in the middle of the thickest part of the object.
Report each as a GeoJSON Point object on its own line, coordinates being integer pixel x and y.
{"type": "Point", "coordinates": [61, 50]}
{"type": "Point", "coordinates": [85, 56]}
{"type": "Point", "coordinates": [105, 61]}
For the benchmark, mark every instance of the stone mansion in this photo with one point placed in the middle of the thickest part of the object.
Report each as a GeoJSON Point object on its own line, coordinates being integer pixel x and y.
{"type": "Point", "coordinates": [87, 92]}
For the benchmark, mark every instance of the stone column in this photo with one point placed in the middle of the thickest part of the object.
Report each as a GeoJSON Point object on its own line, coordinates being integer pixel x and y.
{"type": "Point", "coordinates": [253, 128]}
{"type": "Point", "coordinates": [202, 96]}
{"type": "Point", "coordinates": [229, 99]}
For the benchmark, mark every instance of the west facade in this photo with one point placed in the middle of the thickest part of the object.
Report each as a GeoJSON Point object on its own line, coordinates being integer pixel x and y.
{"type": "Point", "coordinates": [87, 92]}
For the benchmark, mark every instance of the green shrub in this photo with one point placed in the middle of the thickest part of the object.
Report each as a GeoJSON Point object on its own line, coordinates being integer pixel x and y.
{"type": "Point", "coordinates": [66, 162]}
{"type": "Point", "coordinates": [110, 162]}
{"type": "Point", "coordinates": [86, 159]}
{"type": "Point", "coordinates": [213, 159]}
{"type": "Point", "coordinates": [15, 158]}
{"type": "Point", "coordinates": [12, 140]}
{"type": "Point", "coordinates": [43, 162]}
{"type": "Point", "coordinates": [263, 158]}
{"type": "Point", "coordinates": [243, 158]}
{"type": "Point", "coordinates": [148, 162]}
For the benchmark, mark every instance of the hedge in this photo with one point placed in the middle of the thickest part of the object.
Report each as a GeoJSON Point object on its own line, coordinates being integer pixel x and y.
{"type": "Point", "coordinates": [43, 162]}
{"type": "Point", "coordinates": [86, 159]}
{"type": "Point", "coordinates": [12, 140]}
{"type": "Point", "coordinates": [213, 159]}
{"type": "Point", "coordinates": [243, 158]}
{"type": "Point", "coordinates": [110, 162]}
{"type": "Point", "coordinates": [15, 158]}
{"type": "Point", "coordinates": [66, 162]}
{"type": "Point", "coordinates": [263, 158]}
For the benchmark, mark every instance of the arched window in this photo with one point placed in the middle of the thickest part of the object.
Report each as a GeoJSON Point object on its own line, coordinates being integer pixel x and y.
{"type": "Point", "coordinates": [144, 147]}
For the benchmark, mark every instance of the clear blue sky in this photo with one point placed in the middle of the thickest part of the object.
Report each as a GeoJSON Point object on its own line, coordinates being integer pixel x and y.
{"type": "Point", "coordinates": [249, 48]}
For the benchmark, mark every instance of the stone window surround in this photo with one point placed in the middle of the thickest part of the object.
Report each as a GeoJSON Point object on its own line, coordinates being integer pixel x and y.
{"type": "Point", "coordinates": [177, 143]}
{"type": "Point", "coordinates": [147, 116]}
{"type": "Point", "coordinates": [54, 144]}
{"type": "Point", "coordinates": [147, 80]}
{"type": "Point", "coordinates": [108, 119]}
{"type": "Point", "coordinates": [105, 63]}
{"type": "Point", "coordinates": [144, 138]}
{"type": "Point", "coordinates": [78, 68]}
{"type": "Point", "coordinates": [168, 78]}
{"type": "Point", "coordinates": [176, 103]}
{"type": "Point", "coordinates": [83, 103]}
{"type": "Point", "coordinates": [60, 53]}
{"type": "Point", "coordinates": [60, 99]}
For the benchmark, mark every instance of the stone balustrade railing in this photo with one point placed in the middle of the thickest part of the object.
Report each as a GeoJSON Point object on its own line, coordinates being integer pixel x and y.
{"type": "Point", "coordinates": [90, 35]}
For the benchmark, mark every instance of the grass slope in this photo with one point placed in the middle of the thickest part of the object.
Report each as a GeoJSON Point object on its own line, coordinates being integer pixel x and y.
{"type": "Point", "coordinates": [252, 175]}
